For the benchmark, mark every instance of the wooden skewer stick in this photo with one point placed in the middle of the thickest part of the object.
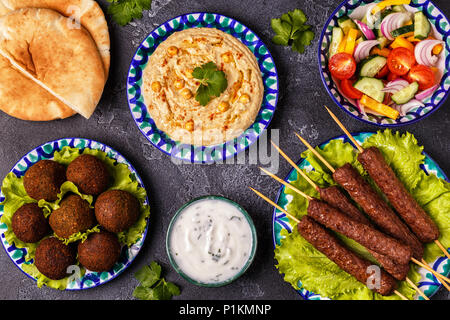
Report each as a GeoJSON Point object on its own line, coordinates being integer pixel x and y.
{"type": "Point", "coordinates": [439, 276]}
{"type": "Point", "coordinates": [417, 289]}
{"type": "Point", "coordinates": [317, 154]}
{"type": "Point", "coordinates": [290, 216]}
{"type": "Point", "coordinates": [357, 145]}
{"type": "Point", "coordinates": [360, 149]}
{"type": "Point", "coordinates": [297, 221]}
{"type": "Point", "coordinates": [400, 295]}
{"type": "Point", "coordinates": [292, 163]}
{"type": "Point", "coordinates": [290, 186]}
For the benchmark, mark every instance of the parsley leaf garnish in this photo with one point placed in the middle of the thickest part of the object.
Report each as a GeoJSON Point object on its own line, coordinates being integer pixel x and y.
{"type": "Point", "coordinates": [212, 82]}
{"type": "Point", "coordinates": [124, 11]}
{"type": "Point", "coordinates": [152, 286]}
{"type": "Point", "coordinates": [291, 30]}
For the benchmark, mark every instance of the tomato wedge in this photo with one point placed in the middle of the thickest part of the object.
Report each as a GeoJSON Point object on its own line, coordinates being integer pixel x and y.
{"type": "Point", "coordinates": [349, 91]}
{"type": "Point", "coordinates": [383, 72]}
{"type": "Point", "coordinates": [423, 75]}
{"type": "Point", "coordinates": [392, 76]}
{"type": "Point", "coordinates": [401, 60]}
{"type": "Point", "coordinates": [342, 66]}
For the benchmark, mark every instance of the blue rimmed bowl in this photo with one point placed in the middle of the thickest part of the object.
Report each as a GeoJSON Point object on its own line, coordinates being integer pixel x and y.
{"type": "Point", "coordinates": [191, 153]}
{"type": "Point", "coordinates": [428, 282]}
{"type": "Point", "coordinates": [47, 151]}
{"type": "Point", "coordinates": [431, 104]}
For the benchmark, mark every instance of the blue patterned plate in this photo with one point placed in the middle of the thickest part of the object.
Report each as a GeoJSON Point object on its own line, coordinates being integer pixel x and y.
{"type": "Point", "coordinates": [202, 154]}
{"type": "Point", "coordinates": [442, 28]}
{"type": "Point", "coordinates": [46, 151]}
{"type": "Point", "coordinates": [428, 283]}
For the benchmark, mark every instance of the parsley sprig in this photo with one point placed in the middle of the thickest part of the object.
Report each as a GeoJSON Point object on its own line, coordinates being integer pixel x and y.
{"type": "Point", "coordinates": [152, 286]}
{"type": "Point", "coordinates": [212, 82]}
{"type": "Point", "coordinates": [291, 30]}
{"type": "Point", "coordinates": [124, 11]}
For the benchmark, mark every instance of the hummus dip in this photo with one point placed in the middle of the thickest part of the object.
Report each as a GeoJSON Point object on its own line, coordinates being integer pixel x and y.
{"type": "Point", "coordinates": [169, 88]}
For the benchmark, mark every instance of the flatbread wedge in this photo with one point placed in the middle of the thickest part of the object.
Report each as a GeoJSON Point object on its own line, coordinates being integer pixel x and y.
{"type": "Point", "coordinates": [22, 98]}
{"type": "Point", "coordinates": [85, 12]}
{"type": "Point", "coordinates": [43, 46]}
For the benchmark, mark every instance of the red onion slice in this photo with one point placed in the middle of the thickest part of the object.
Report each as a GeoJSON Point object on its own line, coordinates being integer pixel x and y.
{"type": "Point", "coordinates": [403, 109]}
{"type": "Point", "coordinates": [424, 52]}
{"type": "Point", "coordinates": [395, 86]}
{"type": "Point", "coordinates": [365, 30]}
{"type": "Point", "coordinates": [426, 93]}
{"type": "Point", "coordinates": [362, 50]}
{"type": "Point", "coordinates": [392, 22]}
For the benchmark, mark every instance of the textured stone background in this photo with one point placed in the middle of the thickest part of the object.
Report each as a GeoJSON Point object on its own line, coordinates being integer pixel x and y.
{"type": "Point", "coordinates": [170, 186]}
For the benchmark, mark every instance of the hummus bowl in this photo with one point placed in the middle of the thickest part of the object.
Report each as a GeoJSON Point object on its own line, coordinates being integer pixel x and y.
{"type": "Point", "coordinates": [164, 124]}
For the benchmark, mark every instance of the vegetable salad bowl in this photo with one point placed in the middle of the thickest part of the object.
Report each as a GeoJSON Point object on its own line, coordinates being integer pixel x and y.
{"type": "Point", "coordinates": [441, 30]}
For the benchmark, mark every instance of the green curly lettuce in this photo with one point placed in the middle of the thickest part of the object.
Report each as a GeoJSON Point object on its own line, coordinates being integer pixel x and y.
{"type": "Point", "coordinates": [16, 196]}
{"type": "Point", "coordinates": [305, 267]}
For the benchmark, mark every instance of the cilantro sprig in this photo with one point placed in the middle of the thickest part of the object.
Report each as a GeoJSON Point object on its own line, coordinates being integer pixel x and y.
{"type": "Point", "coordinates": [124, 11]}
{"type": "Point", "coordinates": [152, 286]}
{"type": "Point", "coordinates": [291, 30]}
{"type": "Point", "coordinates": [212, 82]}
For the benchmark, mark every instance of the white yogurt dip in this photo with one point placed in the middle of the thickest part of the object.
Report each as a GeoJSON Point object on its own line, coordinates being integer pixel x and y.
{"type": "Point", "coordinates": [210, 241]}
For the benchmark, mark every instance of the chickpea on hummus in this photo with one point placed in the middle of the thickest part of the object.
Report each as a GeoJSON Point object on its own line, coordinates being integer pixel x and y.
{"type": "Point", "coordinates": [170, 88]}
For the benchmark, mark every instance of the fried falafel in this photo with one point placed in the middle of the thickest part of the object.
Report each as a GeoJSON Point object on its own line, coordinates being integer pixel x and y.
{"type": "Point", "coordinates": [99, 252]}
{"type": "Point", "coordinates": [29, 224]}
{"type": "Point", "coordinates": [44, 179]}
{"type": "Point", "coordinates": [89, 174]}
{"type": "Point", "coordinates": [53, 258]}
{"type": "Point", "coordinates": [73, 216]}
{"type": "Point", "coordinates": [117, 210]}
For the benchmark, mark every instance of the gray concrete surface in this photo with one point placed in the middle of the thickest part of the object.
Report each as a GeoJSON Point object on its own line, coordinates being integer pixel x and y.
{"type": "Point", "coordinates": [169, 185]}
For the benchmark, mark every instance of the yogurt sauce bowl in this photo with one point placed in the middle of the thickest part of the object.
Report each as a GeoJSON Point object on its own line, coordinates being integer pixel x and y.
{"type": "Point", "coordinates": [211, 241]}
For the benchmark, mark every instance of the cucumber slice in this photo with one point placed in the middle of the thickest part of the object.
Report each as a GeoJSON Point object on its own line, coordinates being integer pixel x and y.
{"type": "Point", "coordinates": [399, 8]}
{"type": "Point", "coordinates": [406, 94]}
{"type": "Point", "coordinates": [345, 23]}
{"type": "Point", "coordinates": [336, 39]}
{"type": "Point", "coordinates": [371, 87]}
{"type": "Point", "coordinates": [384, 42]}
{"type": "Point", "coordinates": [422, 26]}
{"type": "Point", "coordinates": [371, 66]}
{"type": "Point", "coordinates": [402, 30]}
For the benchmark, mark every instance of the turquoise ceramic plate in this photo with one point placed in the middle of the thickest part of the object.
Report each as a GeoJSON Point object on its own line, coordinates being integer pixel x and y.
{"type": "Point", "coordinates": [202, 154]}
{"type": "Point", "coordinates": [441, 28]}
{"type": "Point", "coordinates": [46, 151]}
{"type": "Point", "coordinates": [428, 284]}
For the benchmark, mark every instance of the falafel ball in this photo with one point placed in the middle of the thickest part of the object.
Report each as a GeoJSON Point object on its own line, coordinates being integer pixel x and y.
{"type": "Point", "coordinates": [29, 224]}
{"type": "Point", "coordinates": [117, 210]}
{"type": "Point", "coordinates": [44, 179]}
{"type": "Point", "coordinates": [73, 216]}
{"type": "Point", "coordinates": [53, 257]}
{"type": "Point", "coordinates": [99, 252]}
{"type": "Point", "coordinates": [89, 174]}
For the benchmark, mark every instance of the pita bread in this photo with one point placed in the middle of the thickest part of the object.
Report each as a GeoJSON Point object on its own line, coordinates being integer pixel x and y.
{"type": "Point", "coordinates": [22, 98]}
{"type": "Point", "coordinates": [64, 61]}
{"type": "Point", "coordinates": [86, 12]}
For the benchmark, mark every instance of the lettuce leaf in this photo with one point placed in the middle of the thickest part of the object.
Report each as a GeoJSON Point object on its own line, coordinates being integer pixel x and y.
{"type": "Point", "coordinates": [305, 267]}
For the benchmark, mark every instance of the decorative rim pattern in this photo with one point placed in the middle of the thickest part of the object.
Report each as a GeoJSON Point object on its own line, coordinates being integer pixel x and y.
{"type": "Point", "coordinates": [442, 26]}
{"type": "Point", "coordinates": [428, 284]}
{"type": "Point", "coordinates": [46, 151]}
{"type": "Point", "coordinates": [186, 152]}
{"type": "Point", "coordinates": [250, 257]}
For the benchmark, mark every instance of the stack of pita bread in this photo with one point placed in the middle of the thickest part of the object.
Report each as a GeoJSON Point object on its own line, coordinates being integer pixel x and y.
{"type": "Point", "coordinates": [54, 58]}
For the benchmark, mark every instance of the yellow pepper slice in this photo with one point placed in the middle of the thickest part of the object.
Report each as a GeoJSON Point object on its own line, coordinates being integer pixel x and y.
{"type": "Point", "coordinates": [351, 41]}
{"type": "Point", "coordinates": [379, 107]}
{"type": "Point", "coordinates": [341, 47]}
{"type": "Point", "coordinates": [386, 3]}
{"type": "Point", "coordinates": [402, 42]}
{"type": "Point", "coordinates": [438, 49]}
